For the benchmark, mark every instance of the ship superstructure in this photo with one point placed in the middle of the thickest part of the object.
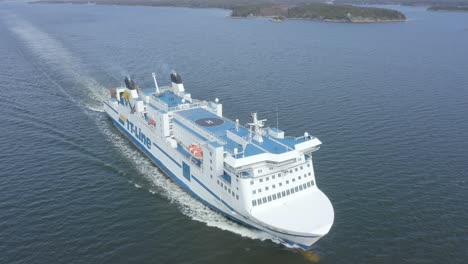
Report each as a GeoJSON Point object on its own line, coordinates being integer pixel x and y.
{"type": "Point", "coordinates": [252, 174]}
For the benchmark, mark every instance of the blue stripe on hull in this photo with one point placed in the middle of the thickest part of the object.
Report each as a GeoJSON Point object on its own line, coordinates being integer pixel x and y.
{"type": "Point", "coordinates": [185, 187]}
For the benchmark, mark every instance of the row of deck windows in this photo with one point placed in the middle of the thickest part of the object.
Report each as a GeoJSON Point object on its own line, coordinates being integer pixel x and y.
{"type": "Point", "coordinates": [280, 184]}
{"type": "Point", "coordinates": [227, 189]}
{"type": "Point", "coordinates": [278, 195]}
{"type": "Point", "coordinates": [279, 174]}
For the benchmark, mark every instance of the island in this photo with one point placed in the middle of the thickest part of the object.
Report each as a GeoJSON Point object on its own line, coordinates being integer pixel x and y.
{"type": "Point", "coordinates": [323, 12]}
{"type": "Point", "coordinates": [277, 10]}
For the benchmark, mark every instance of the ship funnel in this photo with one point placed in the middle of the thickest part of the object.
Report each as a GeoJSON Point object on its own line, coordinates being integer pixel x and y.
{"type": "Point", "coordinates": [177, 85]}
{"type": "Point", "coordinates": [130, 84]}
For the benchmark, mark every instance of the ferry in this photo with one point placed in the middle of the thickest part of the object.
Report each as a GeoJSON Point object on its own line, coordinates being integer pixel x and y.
{"type": "Point", "coordinates": [251, 173]}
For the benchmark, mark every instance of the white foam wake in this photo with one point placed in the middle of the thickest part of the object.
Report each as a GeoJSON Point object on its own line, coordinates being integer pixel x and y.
{"type": "Point", "coordinates": [52, 53]}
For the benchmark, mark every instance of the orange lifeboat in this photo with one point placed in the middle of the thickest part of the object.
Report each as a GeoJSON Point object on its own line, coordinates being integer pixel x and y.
{"type": "Point", "coordinates": [196, 150]}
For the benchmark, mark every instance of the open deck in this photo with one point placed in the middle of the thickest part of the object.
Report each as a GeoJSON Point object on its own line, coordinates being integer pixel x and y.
{"type": "Point", "coordinates": [219, 127]}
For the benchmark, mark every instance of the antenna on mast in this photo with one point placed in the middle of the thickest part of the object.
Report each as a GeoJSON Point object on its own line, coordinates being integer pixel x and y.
{"type": "Point", "coordinates": [156, 83]}
{"type": "Point", "coordinates": [277, 126]}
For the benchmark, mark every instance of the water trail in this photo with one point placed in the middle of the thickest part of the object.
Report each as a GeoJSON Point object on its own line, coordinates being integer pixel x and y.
{"type": "Point", "coordinates": [55, 56]}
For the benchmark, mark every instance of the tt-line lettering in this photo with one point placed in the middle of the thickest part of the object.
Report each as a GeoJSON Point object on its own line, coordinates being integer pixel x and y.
{"type": "Point", "coordinates": [138, 134]}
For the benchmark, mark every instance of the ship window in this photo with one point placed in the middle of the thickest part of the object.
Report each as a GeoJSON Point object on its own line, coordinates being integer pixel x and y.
{"type": "Point", "coordinates": [290, 171]}
{"type": "Point", "coordinates": [259, 201]}
{"type": "Point", "coordinates": [288, 192]}
{"type": "Point", "coordinates": [308, 164]}
{"type": "Point", "coordinates": [229, 191]}
{"type": "Point", "coordinates": [259, 190]}
{"type": "Point", "coordinates": [259, 171]}
{"type": "Point", "coordinates": [292, 190]}
{"type": "Point", "coordinates": [308, 184]}
{"type": "Point", "coordinates": [254, 203]}
{"type": "Point", "coordinates": [211, 154]}
{"type": "Point", "coordinates": [304, 185]}
{"type": "Point", "coordinates": [296, 189]}
{"type": "Point", "coordinates": [211, 162]}
{"type": "Point", "coordinates": [237, 197]}
{"type": "Point", "coordinates": [217, 181]}
{"type": "Point", "coordinates": [299, 177]}
{"type": "Point", "coordinates": [222, 185]}
{"type": "Point", "coordinates": [280, 184]}
{"type": "Point", "coordinates": [287, 182]}
{"type": "Point", "coordinates": [264, 200]}
{"type": "Point", "coordinates": [261, 180]}
{"type": "Point", "coordinates": [211, 168]}
{"type": "Point", "coordinates": [305, 175]}
{"type": "Point", "coordinates": [284, 193]}
{"type": "Point", "coordinates": [300, 187]}
{"type": "Point", "coordinates": [302, 168]}
{"type": "Point", "coordinates": [279, 195]}
{"type": "Point", "coordinates": [274, 196]}
{"type": "Point", "coordinates": [211, 176]}
{"type": "Point", "coordinates": [273, 186]}
{"type": "Point", "coordinates": [266, 188]}
{"type": "Point", "coordinates": [267, 178]}
{"type": "Point", "coordinates": [279, 174]}
{"type": "Point", "coordinates": [273, 176]}
{"type": "Point", "coordinates": [232, 194]}
{"type": "Point", "coordinates": [312, 182]}
{"type": "Point", "coordinates": [225, 188]}
{"type": "Point", "coordinates": [251, 182]}
{"type": "Point", "coordinates": [310, 173]}
{"type": "Point", "coordinates": [293, 179]}
{"type": "Point", "coordinates": [254, 191]}
{"type": "Point", "coordinates": [296, 169]}
{"type": "Point", "coordinates": [271, 168]}
{"type": "Point", "coordinates": [269, 198]}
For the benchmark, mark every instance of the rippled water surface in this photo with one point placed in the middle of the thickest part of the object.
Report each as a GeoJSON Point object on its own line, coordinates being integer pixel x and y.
{"type": "Point", "coordinates": [389, 101]}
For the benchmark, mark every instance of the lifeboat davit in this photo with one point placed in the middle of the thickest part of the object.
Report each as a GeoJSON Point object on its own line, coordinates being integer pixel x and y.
{"type": "Point", "coordinates": [196, 150]}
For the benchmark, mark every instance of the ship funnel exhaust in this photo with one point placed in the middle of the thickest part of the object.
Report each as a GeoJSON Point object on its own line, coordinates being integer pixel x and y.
{"type": "Point", "coordinates": [130, 84]}
{"type": "Point", "coordinates": [177, 85]}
